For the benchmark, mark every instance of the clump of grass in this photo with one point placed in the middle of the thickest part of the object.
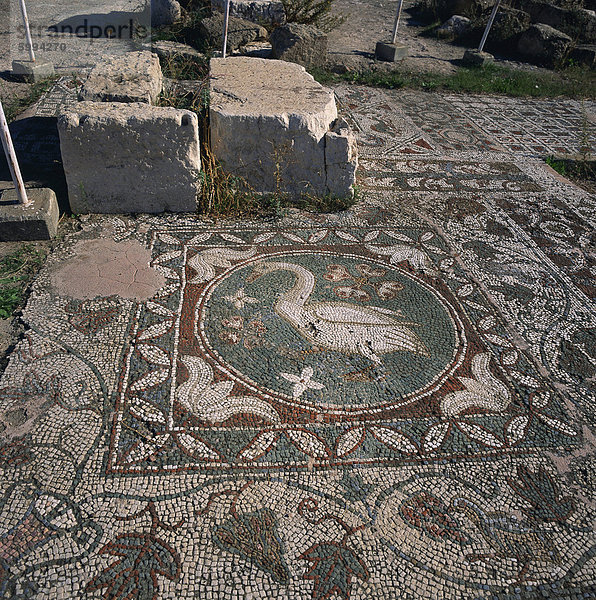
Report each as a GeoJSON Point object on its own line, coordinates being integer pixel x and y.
{"type": "Point", "coordinates": [184, 68]}
{"type": "Point", "coordinates": [221, 193]}
{"type": "Point", "coordinates": [16, 272]}
{"type": "Point", "coordinates": [574, 82]}
{"type": "Point", "coordinates": [581, 171]}
{"type": "Point", "coordinates": [558, 165]}
{"type": "Point", "coordinates": [13, 107]}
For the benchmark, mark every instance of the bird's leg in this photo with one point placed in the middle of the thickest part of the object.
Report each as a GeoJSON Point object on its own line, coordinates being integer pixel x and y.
{"type": "Point", "coordinates": [477, 557]}
{"type": "Point", "coordinates": [521, 576]}
{"type": "Point", "coordinates": [360, 371]}
{"type": "Point", "coordinates": [362, 374]}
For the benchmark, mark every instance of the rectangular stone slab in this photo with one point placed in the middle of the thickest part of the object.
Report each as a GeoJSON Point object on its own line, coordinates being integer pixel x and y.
{"type": "Point", "coordinates": [390, 52]}
{"type": "Point", "coordinates": [122, 158]}
{"type": "Point", "coordinates": [38, 221]}
{"type": "Point", "coordinates": [134, 77]}
{"type": "Point", "coordinates": [32, 71]}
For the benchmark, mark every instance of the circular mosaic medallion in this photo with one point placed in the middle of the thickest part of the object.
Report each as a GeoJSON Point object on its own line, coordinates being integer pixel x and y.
{"type": "Point", "coordinates": [337, 333]}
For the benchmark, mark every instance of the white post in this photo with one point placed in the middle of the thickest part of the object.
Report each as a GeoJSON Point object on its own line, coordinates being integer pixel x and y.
{"type": "Point", "coordinates": [396, 24]}
{"type": "Point", "coordinates": [225, 31]}
{"type": "Point", "coordinates": [27, 30]}
{"type": "Point", "coordinates": [11, 158]}
{"type": "Point", "coordinates": [493, 14]}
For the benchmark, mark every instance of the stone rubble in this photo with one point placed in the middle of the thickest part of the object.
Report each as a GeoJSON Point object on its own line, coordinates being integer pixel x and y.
{"type": "Point", "coordinates": [165, 12]}
{"type": "Point", "coordinates": [240, 32]}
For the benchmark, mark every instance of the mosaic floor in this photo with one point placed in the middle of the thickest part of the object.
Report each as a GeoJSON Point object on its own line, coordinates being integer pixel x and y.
{"type": "Point", "coordinates": [392, 402]}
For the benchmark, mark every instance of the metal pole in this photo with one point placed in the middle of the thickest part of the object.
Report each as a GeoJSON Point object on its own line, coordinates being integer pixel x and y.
{"type": "Point", "coordinates": [396, 24]}
{"type": "Point", "coordinates": [11, 158]}
{"type": "Point", "coordinates": [27, 30]}
{"type": "Point", "coordinates": [225, 31]}
{"type": "Point", "coordinates": [493, 14]}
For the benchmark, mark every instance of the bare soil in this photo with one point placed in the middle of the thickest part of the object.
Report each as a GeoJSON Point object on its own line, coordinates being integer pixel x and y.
{"type": "Point", "coordinates": [8, 88]}
{"type": "Point", "coordinates": [353, 43]}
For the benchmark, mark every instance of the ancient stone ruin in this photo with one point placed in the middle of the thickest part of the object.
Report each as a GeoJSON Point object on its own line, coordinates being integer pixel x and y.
{"type": "Point", "coordinates": [123, 154]}
{"type": "Point", "coordinates": [283, 138]}
{"type": "Point", "coordinates": [121, 158]}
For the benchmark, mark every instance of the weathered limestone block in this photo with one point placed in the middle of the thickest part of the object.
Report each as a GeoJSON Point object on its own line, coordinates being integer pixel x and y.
{"type": "Point", "coordinates": [279, 137]}
{"type": "Point", "coordinates": [258, 11]}
{"type": "Point", "coordinates": [543, 45]}
{"type": "Point", "coordinates": [453, 27]}
{"type": "Point", "coordinates": [341, 159]}
{"type": "Point", "coordinates": [302, 44]}
{"type": "Point", "coordinates": [165, 12]}
{"type": "Point", "coordinates": [240, 32]}
{"type": "Point", "coordinates": [124, 158]}
{"type": "Point", "coordinates": [172, 50]}
{"type": "Point", "coordinates": [578, 23]}
{"type": "Point", "coordinates": [133, 77]}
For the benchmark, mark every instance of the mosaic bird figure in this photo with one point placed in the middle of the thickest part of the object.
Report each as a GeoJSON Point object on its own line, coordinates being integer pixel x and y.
{"type": "Point", "coordinates": [204, 262]}
{"type": "Point", "coordinates": [508, 537]}
{"type": "Point", "coordinates": [212, 402]}
{"type": "Point", "coordinates": [370, 331]}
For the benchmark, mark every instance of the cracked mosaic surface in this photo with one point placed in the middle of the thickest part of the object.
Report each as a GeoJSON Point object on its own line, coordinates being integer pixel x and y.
{"type": "Point", "coordinates": [391, 402]}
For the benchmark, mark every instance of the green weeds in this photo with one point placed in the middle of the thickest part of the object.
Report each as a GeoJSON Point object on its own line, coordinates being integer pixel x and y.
{"type": "Point", "coordinates": [573, 82]}
{"type": "Point", "coordinates": [184, 68]}
{"type": "Point", "coordinates": [16, 272]}
{"type": "Point", "coordinates": [15, 106]}
{"type": "Point", "coordinates": [312, 12]}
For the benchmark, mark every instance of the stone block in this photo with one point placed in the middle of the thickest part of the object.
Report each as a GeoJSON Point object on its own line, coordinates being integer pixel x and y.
{"type": "Point", "coordinates": [171, 50]}
{"type": "Point", "coordinates": [38, 221]}
{"type": "Point", "coordinates": [584, 55]}
{"type": "Point", "coordinates": [543, 45]}
{"type": "Point", "coordinates": [453, 27]}
{"type": "Point", "coordinates": [302, 44]}
{"type": "Point", "coordinates": [341, 159]}
{"type": "Point", "coordinates": [133, 77]}
{"type": "Point", "coordinates": [390, 52]}
{"type": "Point", "coordinates": [578, 23]}
{"type": "Point", "coordinates": [257, 50]}
{"type": "Point", "coordinates": [257, 11]}
{"type": "Point", "coordinates": [165, 12]}
{"type": "Point", "coordinates": [32, 71]}
{"type": "Point", "coordinates": [275, 136]}
{"type": "Point", "coordinates": [127, 158]}
{"type": "Point", "coordinates": [475, 58]}
{"type": "Point", "coordinates": [240, 32]}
